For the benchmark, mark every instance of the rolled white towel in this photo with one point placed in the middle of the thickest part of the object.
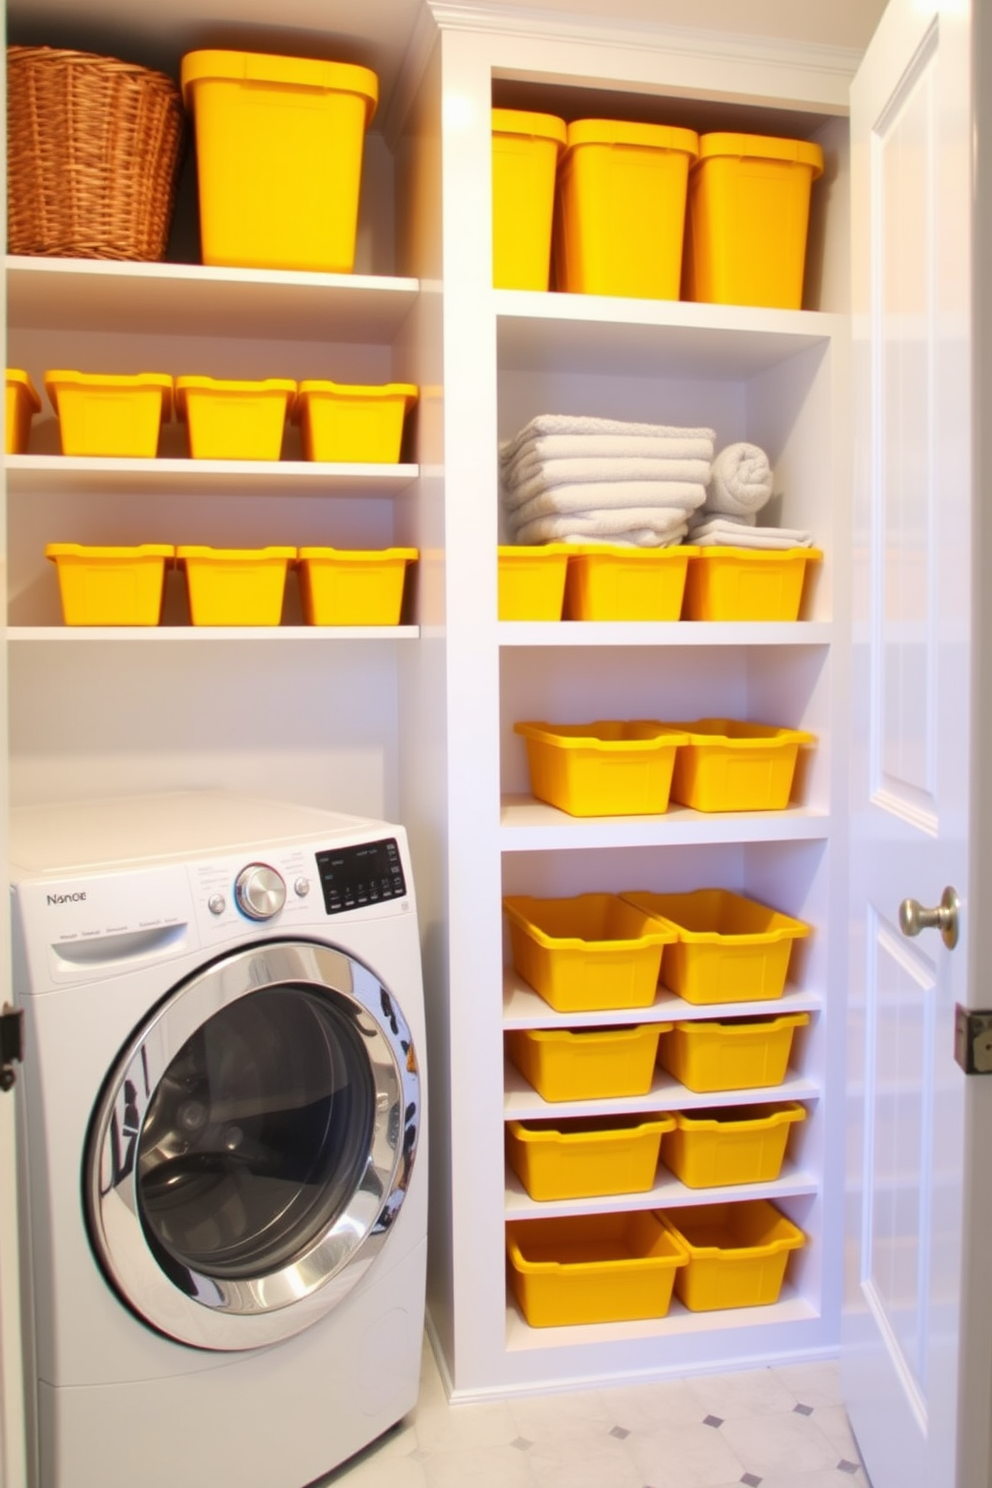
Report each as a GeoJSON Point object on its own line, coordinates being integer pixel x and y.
{"type": "Point", "coordinates": [684, 444]}
{"type": "Point", "coordinates": [530, 474]}
{"type": "Point", "coordinates": [603, 495]}
{"type": "Point", "coordinates": [740, 480]}
{"type": "Point", "coordinates": [564, 423]}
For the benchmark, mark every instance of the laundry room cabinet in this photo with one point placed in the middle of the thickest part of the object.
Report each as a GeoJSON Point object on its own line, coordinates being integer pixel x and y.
{"type": "Point", "coordinates": [417, 722]}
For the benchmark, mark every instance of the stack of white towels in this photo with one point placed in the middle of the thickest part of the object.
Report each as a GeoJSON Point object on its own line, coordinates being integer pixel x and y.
{"type": "Point", "coordinates": [568, 479]}
{"type": "Point", "coordinates": [589, 480]}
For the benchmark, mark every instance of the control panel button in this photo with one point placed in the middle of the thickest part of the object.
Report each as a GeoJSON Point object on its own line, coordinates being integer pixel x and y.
{"type": "Point", "coordinates": [301, 888]}
{"type": "Point", "coordinates": [260, 891]}
{"type": "Point", "coordinates": [216, 904]}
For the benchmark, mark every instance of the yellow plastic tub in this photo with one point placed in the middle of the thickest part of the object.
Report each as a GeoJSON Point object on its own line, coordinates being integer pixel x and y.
{"type": "Point", "coordinates": [532, 581]}
{"type": "Point", "coordinates": [234, 420]}
{"type": "Point", "coordinates": [623, 583]}
{"type": "Point", "coordinates": [279, 146]}
{"type": "Point", "coordinates": [747, 583]}
{"type": "Point", "coordinates": [731, 1144]}
{"type": "Point", "coordinates": [586, 1156]}
{"type": "Point", "coordinates": [727, 948]}
{"type": "Point", "coordinates": [736, 1054]}
{"type": "Point", "coordinates": [22, 405]}
{"type": "Point", "coordinates": [748, 220]}
{"type": "Point", "coordinates": [587, 953]}
{"type": "Point", "coordinates": [348, 422]}
{"type": "Point", "coordinates": [111, 586]}
{"type": "Point", "coordinates": [738, 1253]}
{"type": "Point", "coordinates": [235, 586]}
{"type": "Point", "coordinates": [593, 1268]}
{"type": "Point", "coordinates": [622, 194]}
{"type": "Point", "coordinates": [607, 768]}
{"type": "Point", "coordinates": [116, 417]}
{"type": "Point", "coordinates": [729, 765]}
{"type": "Point", "coordinates": [526, 148]}
{"type": "Point", "coordinates": [340, 586]}
{"type": "Point", "coordinates": [571, 1064]}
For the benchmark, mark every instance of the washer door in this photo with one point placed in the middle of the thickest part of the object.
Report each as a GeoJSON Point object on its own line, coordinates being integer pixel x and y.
{"type": "Point", "coordinates": [253, 1146]}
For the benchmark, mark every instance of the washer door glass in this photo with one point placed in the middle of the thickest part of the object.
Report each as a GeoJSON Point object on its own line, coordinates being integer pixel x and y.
{"type": "Point", "coordinates": [254, 1145]}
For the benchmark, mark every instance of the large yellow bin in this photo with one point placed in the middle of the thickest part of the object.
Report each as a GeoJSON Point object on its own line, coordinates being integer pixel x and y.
{"type": "Point", "coordinates": [279, 144]}
{"type": "Point", "coordinates": [748, 220]}
{"type": "Point", "coordinates": [526, 148]}
{"type": "Point", "coordinates": [738, 1253]}
{"type": "Point", "coordinates": [111, 586]}
{"type": "Point", "coordinates": [622, 194]}
{"type": "Point", "coordinates": [22, 405]}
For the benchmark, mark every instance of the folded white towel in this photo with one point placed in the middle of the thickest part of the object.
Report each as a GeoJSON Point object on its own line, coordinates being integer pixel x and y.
{"type": "Point", "coordinates": [558, 423]}
{"type": "Point", "coordinates": [532, 474]}
{"type": "Point", "coordinates": [682, 444]}
{"type": "Point", "coordinates": [720, 533]}
{"type": "Point", "coordinates": [740, 480]}
{"type": "Point", "coordinates": [648, 527]}
{"type": "Point", "coordinates": [602, 495]}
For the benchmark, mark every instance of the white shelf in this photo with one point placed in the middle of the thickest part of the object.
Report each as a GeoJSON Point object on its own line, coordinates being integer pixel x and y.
{"type": "Point", "coordinates": [538, 633]}
{"type": "Point", "coordinates": [68, 294]}
{"type": "Point", "coordinates": [162, 634]}
{"type": "Point", "coordinates": [527, 825]}
{"type": "Point", "coordinates": [606, 334]}
{"type": "Point", "coordinates": [521, 1100]}
{"type": "Point", "coordinates": [69, 475]}
{"type": "Point", "coordinates": [667, 1192]}
{"type": "Point", "coordinates": [790, 1308]}
{"type": "Point", "coordinates": [525, 1008]}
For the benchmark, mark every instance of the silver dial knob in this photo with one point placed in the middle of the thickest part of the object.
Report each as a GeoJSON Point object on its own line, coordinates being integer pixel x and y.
{"type": "Point", "coordinates": [260, 891]}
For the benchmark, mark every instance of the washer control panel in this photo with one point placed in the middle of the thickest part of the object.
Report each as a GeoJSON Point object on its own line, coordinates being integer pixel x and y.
{"type": "Point", "coordinates": [367, 873]}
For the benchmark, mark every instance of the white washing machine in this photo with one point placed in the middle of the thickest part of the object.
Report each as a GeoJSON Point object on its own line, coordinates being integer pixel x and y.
{"type": "Point", "coordinates": [224, 1156]}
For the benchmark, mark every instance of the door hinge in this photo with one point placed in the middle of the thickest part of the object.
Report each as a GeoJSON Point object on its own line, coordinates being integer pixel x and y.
{"type": "Point", "coordinates": [11, 1044]}
{"type": "Point", "coordinates": [973, 1040]}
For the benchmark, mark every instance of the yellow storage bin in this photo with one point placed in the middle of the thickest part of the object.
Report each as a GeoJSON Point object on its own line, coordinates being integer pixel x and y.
{"type": "Point", "coordinates": [279, 146]}
{"type": "Point", "coordinates": [607, 768]}
{"type": "Point", "coordinates": [585, 1156]}
{"type": "Point", "coordinates": [22, 405]}
{"type": "Point", "coordinates": [111, 586]}
{"type": "Point", "coordinates": [339, 586]}
{"type": "Point", "coordinates": [532, 581]}
{"type": "Point", "coordinates": [235, 586]}
{"type": "Point", "coordinates": [116, 417]}
{"type": "Point", "coordinates": [623, 583]}
{"type": "Point", "coordinates": [526, 148]}
{"type": "Point", "coordinates": [234, 420]}
{"type": "Point", "coordinates": [736, 1054]}
{"type": "Point", "coordinates": [737, 1253]}
{"type": "Point", "coordinates": [731, 1144]}
{"type": "Point", "coordinates": [727, 948]}
{"type": "Point", "coordinates": [729, 765]}
{"type": "Point", "coordinates": [593, 1268]}
{"type": "Point", "coordinates": [571, 1064]}
{"type": "Point", "coordinates": [588, 953]}
{"type": "Point", "coordinates": [346, 422]}
{"type": "Point", "coordinates": [622, 194]}
{"type": "Point", "coordinates": [747, 583]}
{"type": "Point", "coordinates": [748, 218]}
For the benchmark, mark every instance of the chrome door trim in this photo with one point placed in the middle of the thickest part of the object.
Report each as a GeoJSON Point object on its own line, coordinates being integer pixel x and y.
{"type": "Point", "coordinates": [218, 1312]}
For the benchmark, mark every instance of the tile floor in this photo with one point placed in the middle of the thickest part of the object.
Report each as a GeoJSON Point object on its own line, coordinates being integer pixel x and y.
{"type": "Point", "coordinates": [767, 1428]}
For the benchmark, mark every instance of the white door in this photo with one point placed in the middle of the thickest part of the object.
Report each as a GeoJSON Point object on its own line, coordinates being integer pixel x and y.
{"type": "Point", "coordinates": [916, 1333]}
{"type": "Point", "coordinates": [12, 1460]}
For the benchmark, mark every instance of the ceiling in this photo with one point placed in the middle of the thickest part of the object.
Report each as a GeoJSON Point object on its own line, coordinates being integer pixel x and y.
{"type": "Point", "coordinates": [377, 32]}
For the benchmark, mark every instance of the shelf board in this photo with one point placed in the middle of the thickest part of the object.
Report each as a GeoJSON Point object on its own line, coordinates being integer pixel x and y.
{"type": "Point", "coordinates": [70, 475]}
{"type": "Point", "coordinates": [612, 335]}
{"type": "Point", "coordinates": [625, 633]}
{"type": "Point", "coordinates": [528, 825]}
{"type": "Point", "coordinates": [667, 1192]}
{"type": "Point", "coordinates": [791, 1307]}
{"type": "Point", "coordinates": [521, 1100]}
{"type": "Point", "coordinates": [71, 294]}
{"type": "Point", "coordinates": [525, 1008]}
{"type": "Point", "coordinates": [151, 634]}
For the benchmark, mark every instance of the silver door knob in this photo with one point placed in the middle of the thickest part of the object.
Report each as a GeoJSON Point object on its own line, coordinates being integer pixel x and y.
{"type": "Point", "coordinates": [260, 891]}
{"type": "Point", "coordinates": [913, 917]}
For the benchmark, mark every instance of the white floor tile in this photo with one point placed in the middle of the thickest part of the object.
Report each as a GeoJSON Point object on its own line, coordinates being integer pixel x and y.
{"type": "Point", "coordinates": [496, 1467]}
{"type": "Point", "coordinates": [547, 1418]}
{"type": "Point", "coordinates": [812, 1384]}
{"type": "Point", "coordinates": [651, 1407]}
{"type": "Point", "coordinates": [447, 1428]}
{"type": "Point", "coordinates": [585, 1463]}
{"type": "Point", "coordinates": [767, 1445]}
{"type": "Point", "coordinates": [685, 1457]}
{"type": "Point", "coordinates": [753, 1392]}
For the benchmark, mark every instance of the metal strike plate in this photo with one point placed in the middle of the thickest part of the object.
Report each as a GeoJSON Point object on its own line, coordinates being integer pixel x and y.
{"type": "Point", "coordinates": [973, 1040]}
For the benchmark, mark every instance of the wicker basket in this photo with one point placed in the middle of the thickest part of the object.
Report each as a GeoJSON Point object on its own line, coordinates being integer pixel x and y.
{"type": "Point", "coordinates": [93, 150]}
